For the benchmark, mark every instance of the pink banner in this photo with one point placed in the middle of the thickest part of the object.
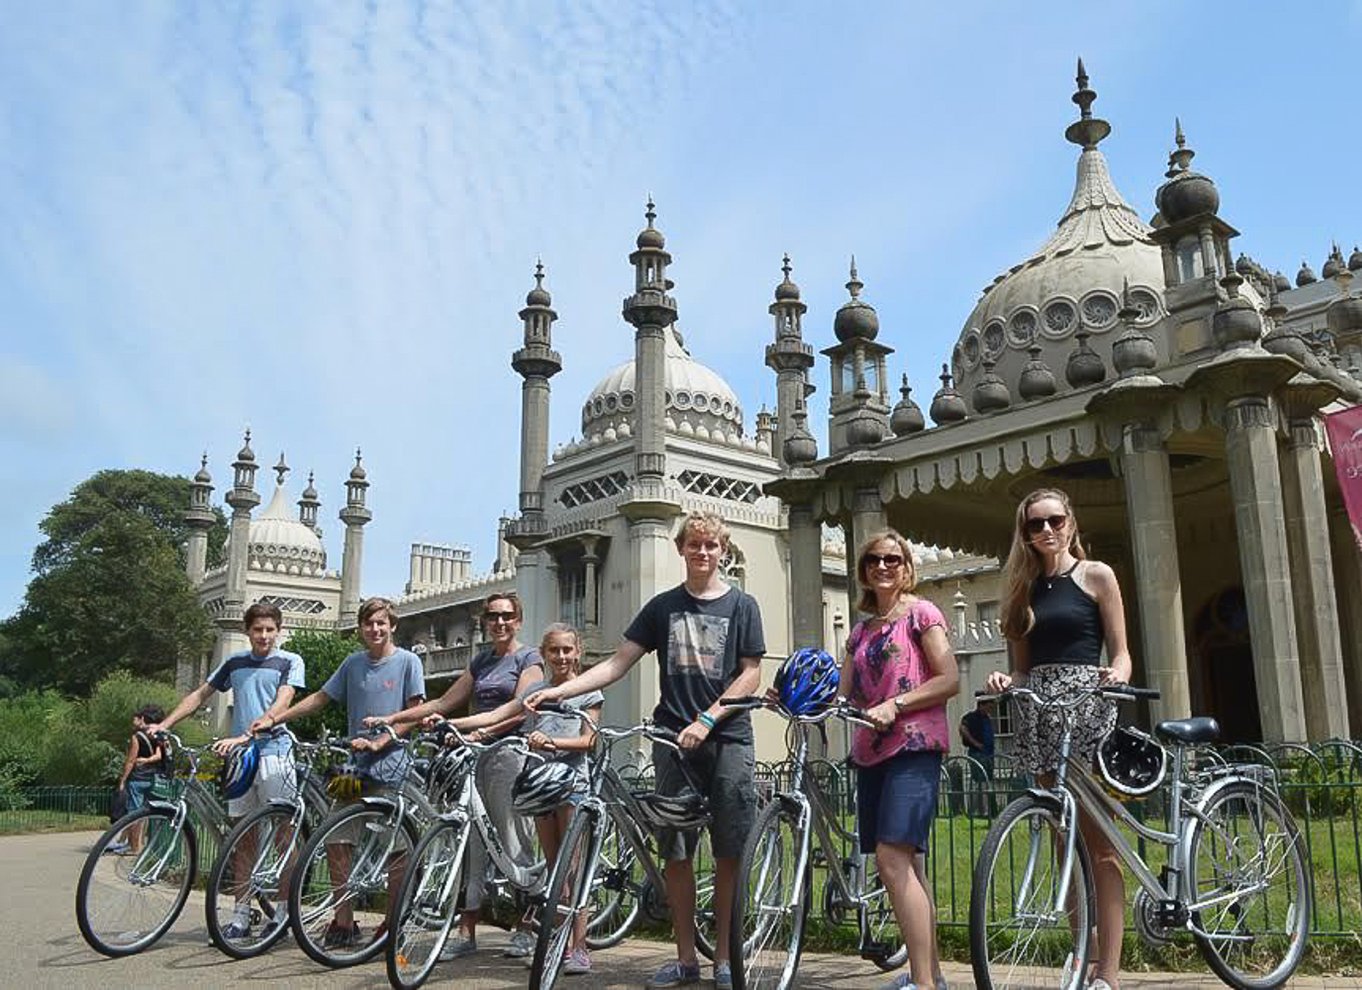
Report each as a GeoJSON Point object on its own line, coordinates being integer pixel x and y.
{"type": "Point", "coordinates": [1345, 441]}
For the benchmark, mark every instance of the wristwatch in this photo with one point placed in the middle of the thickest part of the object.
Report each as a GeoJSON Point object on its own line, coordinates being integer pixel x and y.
{"type": "Point", "coordinates": [899, 703]}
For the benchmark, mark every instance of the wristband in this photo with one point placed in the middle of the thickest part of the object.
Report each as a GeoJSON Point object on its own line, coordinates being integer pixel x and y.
{"type": "Point", "coordinates": [707, 720]}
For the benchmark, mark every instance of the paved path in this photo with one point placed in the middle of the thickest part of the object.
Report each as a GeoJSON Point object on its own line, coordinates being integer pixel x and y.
{"type": "Point", "coordinates": [42, 948]}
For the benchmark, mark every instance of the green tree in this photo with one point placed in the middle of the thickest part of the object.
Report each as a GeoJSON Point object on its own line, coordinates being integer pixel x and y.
{"type": "Point", "coordinates": [109, 590]}
{"type": "Point", "coordinates": [109, 709]}
{"type": "Point", "coordinates": [322, 651]}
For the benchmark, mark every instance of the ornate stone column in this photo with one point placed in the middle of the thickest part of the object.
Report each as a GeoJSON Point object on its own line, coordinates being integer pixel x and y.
{"type": "Point", "coordinates": [1312, 574]}
{"type": "Point", "coordinates": [806, 578]}
{"type": "Point", "coordinates": [589, 561]}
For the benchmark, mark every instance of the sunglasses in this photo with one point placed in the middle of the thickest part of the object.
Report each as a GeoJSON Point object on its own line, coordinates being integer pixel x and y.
{"type": "Point", "coordinates": [499, 616]}
{"type": "Point", "coordinates": [889, 561]}
{"type": "Point", "coordinates": [1035, 525]}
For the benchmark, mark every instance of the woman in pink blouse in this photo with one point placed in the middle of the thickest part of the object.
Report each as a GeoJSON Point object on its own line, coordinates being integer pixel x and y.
{"type": "Point", "coordinates": [900, 670]}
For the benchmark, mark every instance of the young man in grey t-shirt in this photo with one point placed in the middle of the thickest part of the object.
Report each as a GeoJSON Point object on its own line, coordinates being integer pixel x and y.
{"type": "Point", "coordinates": [709, 644]}
{"type": "Point", "coordinates": [377, 681]}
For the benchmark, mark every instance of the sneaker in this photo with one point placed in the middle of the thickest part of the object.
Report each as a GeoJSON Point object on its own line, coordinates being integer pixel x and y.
{"type": "Point", "coordinates": [236, 930]}
{"type": "Point", "coordinates": [339, 937]}
{"type": "Point", "coordinates": [578, 962]}
{"type": "Point", "coordinates": [277, 921]}
{"type": "Point", "coordinates": [118, 849]}
{"type": "Point", "coordinates": [522, 945]}
{"type": "Point", "coordinates": [459, 946]}
{"type": "Point", "coordinates": [904, 981]}
{"type": "Point", "coordinates": [723, 976]}
{"type": "Point", "coordinates": [1099, 984]}
{"type": "Point", "coordinates": [674, 974]}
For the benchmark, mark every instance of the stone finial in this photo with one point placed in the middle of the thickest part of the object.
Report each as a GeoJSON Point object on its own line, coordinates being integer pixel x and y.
{"type": "Point", "coordinates": [990, 392]}
{"type": "Point", "coordinates": [947, 405]}
{"type": "Point", "coordinates": [1306, 275]}
{"type": "Point", "coordinates": [281, 469]}
{"type": "Point", "coordinates": [786, 291]}
{"type": "Point", "coordinates": [1037, 381]}
{"type": "Point", "coordinates": [906, 417]}
{"type": "Point", "coordinates": [1236, 323]}
{"type": "Point", "coordinates": [1355, 259]}
{"type": "Point", "coordinates": [1334, 263]}
{"type": "Point", "coordinates": [1088, 130]}
{"type": "Point", "coordinates": [855, 319]}
{"type": "Point", "coordinates": [1084, 366]}
{"type": "Point", "coordinates": [1133, 352]}
{"type": "Point", "coordinates": [800, 447]}
{"type": "Point", "coordinates": [202, 476]}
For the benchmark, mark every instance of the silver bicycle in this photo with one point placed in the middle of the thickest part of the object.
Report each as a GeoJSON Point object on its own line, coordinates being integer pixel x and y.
{"type": "Point", "coordinates": [1236, 878]}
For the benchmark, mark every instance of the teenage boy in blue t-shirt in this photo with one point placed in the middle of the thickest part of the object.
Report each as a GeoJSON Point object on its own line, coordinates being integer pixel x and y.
{"type": "Point", "coordinates": [262, 680]}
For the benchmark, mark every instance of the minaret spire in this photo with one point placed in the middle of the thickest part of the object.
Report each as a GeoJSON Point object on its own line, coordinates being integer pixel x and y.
{"type": "Point", "coordinates": [536, 362]}
{"type": "Point", "coordinates": [651, 312]}
{"type": "Point", "coordinates": [789, 357]}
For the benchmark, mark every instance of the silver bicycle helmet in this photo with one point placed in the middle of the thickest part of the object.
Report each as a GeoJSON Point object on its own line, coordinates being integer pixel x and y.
{"type": "Point", "coordinates": [1132, 763]}
{"type": "Point", "coordinates": [541, 787]}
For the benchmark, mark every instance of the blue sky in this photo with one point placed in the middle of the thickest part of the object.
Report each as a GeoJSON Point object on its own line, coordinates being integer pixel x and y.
{"type": "Point", "coordinates": [321, 219]}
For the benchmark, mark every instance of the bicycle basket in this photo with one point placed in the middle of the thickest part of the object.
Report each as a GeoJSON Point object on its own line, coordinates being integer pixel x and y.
{"type": "Point", "coordinates": [1132, 763]}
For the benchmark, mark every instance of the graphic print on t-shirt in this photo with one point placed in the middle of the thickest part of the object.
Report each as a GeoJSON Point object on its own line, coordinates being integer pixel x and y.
{"type": "Point", "coordinates": [695, 644]}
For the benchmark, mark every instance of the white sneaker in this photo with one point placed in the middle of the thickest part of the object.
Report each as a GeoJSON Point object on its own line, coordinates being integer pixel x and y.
{"type": "Point", "coordinates": [1099, 984]}
{"type": "Point", "coordinates": [904, 981]}
{"type": "Point", "coordinates": [457, 947]}
{"type": "Point", "coordinates": [521, 945]}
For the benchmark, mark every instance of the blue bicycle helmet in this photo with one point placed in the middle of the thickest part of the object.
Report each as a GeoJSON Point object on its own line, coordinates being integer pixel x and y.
{"type": "Point", "coordinates": [238, 770]}
{"type": "Point", "coordinates": [807, 681]}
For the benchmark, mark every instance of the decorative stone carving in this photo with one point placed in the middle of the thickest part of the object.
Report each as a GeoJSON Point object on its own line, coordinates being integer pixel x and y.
{"type": "Point", "coordinates": [947, 405]}
{"type": "Point", "coordinates": [1084, 366]}
{"type": "Point", "coordinates": [1037, 380]}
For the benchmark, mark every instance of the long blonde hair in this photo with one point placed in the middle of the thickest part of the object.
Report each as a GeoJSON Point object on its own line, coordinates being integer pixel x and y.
{"type": "Point", "coordinates": [1023, 564]}
{"type": "Point", "coordinates": [561, 629]}
{"type": "Point", "coordinates": [869, 602]}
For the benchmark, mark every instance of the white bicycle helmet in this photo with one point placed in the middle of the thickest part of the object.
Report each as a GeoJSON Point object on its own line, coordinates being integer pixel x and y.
{"type": "Point", "coordinates": [541, 787]}
{"type": "Point", "coordinates": [1132, 763]}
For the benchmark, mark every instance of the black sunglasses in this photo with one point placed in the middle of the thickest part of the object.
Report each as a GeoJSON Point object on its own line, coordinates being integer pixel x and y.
{"type": "Point", "coordinates": [892, 561]}
{"type": "Point", "coordinates": [499, 616]}
{"type": "Point", "coordinates": [1035, 525]}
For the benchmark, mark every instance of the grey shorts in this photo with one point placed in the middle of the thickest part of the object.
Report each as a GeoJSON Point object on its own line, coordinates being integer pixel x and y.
{"type": "Point", "coordinates": [725, 772]}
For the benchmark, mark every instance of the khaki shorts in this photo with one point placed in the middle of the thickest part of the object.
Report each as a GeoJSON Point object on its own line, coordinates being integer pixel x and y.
{"type": "Point", "coordinates": [276, 779]}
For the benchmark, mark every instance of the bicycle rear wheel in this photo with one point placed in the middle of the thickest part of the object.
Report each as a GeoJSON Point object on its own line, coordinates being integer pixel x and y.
{"type": "Point", "coordinates": [570, 885]}
{"type": "Point", "coordinates": [349, 868]}
{"type": "Point", "coordinates": [426, 905]}
{"type": "Point", "coordinates": [246, 904]}
{"type": "Point", "coordinates": [771, 901]}
{"type": "Point", "coordinates": [1020, 933]}
{"type": "Point", "coordinates": [1247, 869]}
{"type": "Point", "coordinates": [135, 881]}
{"type": "Point", "coordinates": [616, 889]}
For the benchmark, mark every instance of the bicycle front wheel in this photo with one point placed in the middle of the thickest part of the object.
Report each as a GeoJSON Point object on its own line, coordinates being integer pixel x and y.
{"type": "Point", "coordinates": [1025, 929]}
{"type": "Point", "coordinates": [1249, 888]}
{"type": "Point", "coordinates": [569, 893]}
{"type": "Point", "coordinates": [246, 906]}
{"type": "Point", "coordinates": [426, 905]}
{"type": "Point", "coordinates": [771, 900]}
{"type": "Point", "coordinates": [340, 894]}
{"type": "Point", "coordinates": [135, 881]}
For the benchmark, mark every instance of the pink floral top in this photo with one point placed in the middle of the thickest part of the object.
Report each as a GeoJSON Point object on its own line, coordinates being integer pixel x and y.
{"type": "Point", "coordinates": [886, 662]}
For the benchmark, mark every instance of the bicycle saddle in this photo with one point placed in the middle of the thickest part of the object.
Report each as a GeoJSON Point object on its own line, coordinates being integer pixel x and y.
{"type": "Point", "coordinates": [1200, 729]}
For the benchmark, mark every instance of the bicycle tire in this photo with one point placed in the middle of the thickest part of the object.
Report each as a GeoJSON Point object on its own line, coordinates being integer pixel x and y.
{"type": "Point", "coordinates": [881, 936]}
{"type": "Point", "coordinates": [617, 890]}
{"type": "Point", "coordinates": [265, 887]}
{"type": "Point", "coordinates": [770, 903]}
{"type": "Point", "coordinates": [427, 905]}
{"type": "Point", "coordinates": [1245, 833]}
{"type": "Point", "coordinates": [569, 884]}
{"type": "Point", "coordinates": [312, 897]}
{"type": "Point", "coordinates": [1016, 944]}
{"type": "Point", "coordinates": [126, 901]}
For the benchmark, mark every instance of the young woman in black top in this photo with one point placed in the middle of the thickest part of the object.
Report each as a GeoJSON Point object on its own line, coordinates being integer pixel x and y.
{"type": "Point", "coordinates": [1059, 610]}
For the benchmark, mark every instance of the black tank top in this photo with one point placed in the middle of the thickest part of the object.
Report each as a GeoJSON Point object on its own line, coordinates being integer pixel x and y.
{"type": "Point", "coordinates": [1068, 625]}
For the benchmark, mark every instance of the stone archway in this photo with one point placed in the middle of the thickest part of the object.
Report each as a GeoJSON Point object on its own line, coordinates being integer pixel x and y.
{"type": "Point", "coordinates": [1224, 679]}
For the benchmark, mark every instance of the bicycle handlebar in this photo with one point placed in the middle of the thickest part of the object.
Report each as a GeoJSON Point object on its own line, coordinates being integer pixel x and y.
{"type": "Point", "coordinates": [841, 708]}
{"type": "Point", "coordinates": [1071, 699]}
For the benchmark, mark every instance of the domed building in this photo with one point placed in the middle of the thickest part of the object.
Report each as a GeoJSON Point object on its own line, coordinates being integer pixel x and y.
{"type": "Point", "coordinates": [275, 557]}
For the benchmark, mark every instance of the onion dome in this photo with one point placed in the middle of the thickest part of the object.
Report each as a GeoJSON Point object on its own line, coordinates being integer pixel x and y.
{"type": "Point", "coordinates": [1334, 264]}
{"type": "Point", "coordinates": [1134, 352]}
{"type": "Point", "coordinates": [1084, 366]}
{"type": "Point", "coordinates": [1243, 265]}
{"type": "Point", "coordinates": [865, 431]}
{"type": "Point", "coordinates": [1306, 275]}
{"type": "Point", "coordinates": [1355, 259]}
{"type": "Point", "coordinates": [1186, 194]}
{"type": "Point", "coordinates": [1037, 381]}
{"type": "Point", "coordinates": [698, 400]}
{"type": "Point", "coordinates": [202, 476]}
{"type": "Point", "coordinates": [906, 417]}
{"type": "Point", "coordinates": [357, 473]}
{"type": "Point", "coordinates": [1280, 282]}
{"type": "Point", "coordinates": [650, 236]}
{"type": "Point", "coordinates": [310, 492]}
{"type": "Point", "coordinates": [990, 392]}
{"type": "Point", "coordinates": [1236, 322]}
{"type": "Point", "coordinates": [279, 542]}
{"type": "Point", "coordinates": [800, 447]}
{"type": "Point", "coordinates": [245, 454]}
{"type": "Point", "coordinates": [1075, 278]}
{"type": "Point", "coordinates": [856, 320]}
{"type": "Point", "coordinates": [538, 296]}
{"type": "Point", "coordinates": [787, 291]}
{"type": "Point", "coordinates": [947, 405]}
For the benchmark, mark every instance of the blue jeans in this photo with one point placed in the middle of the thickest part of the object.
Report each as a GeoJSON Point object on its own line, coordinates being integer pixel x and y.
{"type": "Point", "coordinates": [137, 792]}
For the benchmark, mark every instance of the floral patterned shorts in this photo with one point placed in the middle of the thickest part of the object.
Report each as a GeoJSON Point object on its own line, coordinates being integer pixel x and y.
{"type": "Point", "coordinates": [1040, 731]}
